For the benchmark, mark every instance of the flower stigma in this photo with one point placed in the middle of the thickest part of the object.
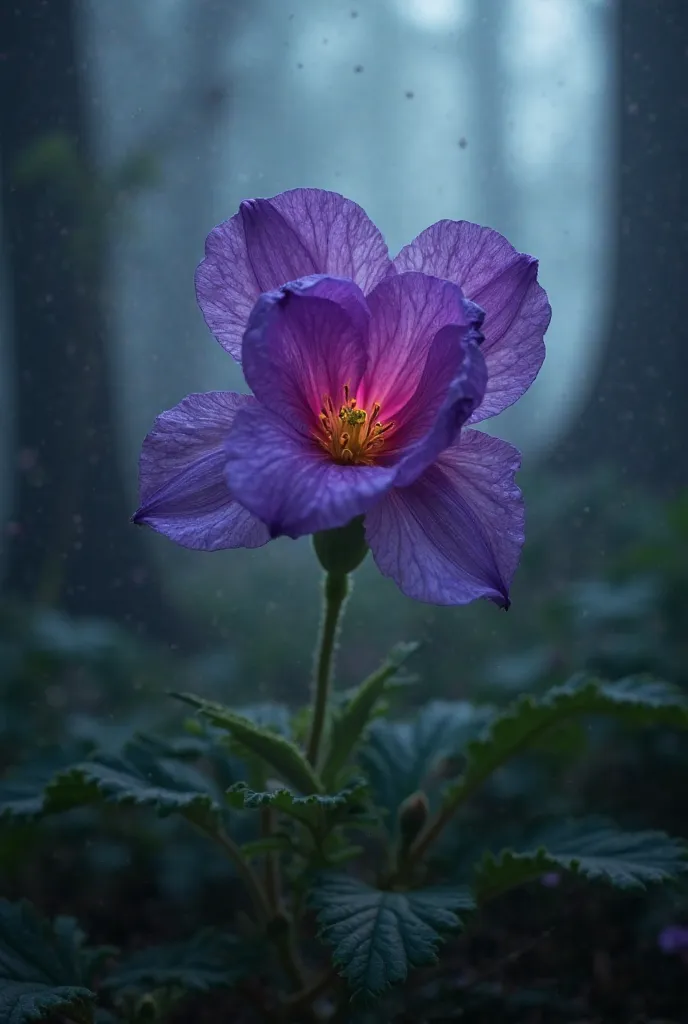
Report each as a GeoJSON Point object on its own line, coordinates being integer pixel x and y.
{"type": "Point", "coordinates": [352, 436]}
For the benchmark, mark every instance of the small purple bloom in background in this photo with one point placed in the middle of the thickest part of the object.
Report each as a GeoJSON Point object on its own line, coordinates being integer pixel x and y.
{"type": "Point", "coordinates": [364, 372]}
{"type": "Point", "coordinates": [673, 939]}
{"type": "Point", "coordinates": [550, 880]}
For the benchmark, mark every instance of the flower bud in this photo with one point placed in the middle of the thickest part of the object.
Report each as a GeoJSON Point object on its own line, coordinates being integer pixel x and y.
{"type": "Point", "coordinates": [413, 814]}
{"type": "Point", "coordinates": [342, 550]}
{"type": "Point", "coordinates": [147, 1009]}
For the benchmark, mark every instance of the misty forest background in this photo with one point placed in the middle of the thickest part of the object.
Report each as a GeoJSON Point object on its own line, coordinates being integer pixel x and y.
{"type": "Point", "coordinates": [127, 131]}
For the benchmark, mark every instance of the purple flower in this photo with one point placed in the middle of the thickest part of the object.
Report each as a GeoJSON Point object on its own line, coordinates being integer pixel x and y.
{"type": "Point", "coordinates": [364, 371]}
{"type": "Point", "coordinates": [673, 939]}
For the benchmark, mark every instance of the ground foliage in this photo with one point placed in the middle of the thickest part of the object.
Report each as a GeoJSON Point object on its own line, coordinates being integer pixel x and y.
{"type": "Point", "coordinates": [511, 857]}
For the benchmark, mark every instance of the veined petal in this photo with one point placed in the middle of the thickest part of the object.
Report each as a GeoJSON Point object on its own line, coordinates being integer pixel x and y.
{"type": "Point", "coordinates": [183, 491]}
{"type": "Point", "coordinates": [303, 342]}
{"type": "Point", "coordinates": [504, 283]}
{"type": "Point", "coordinates": [406, 313]}
{"type": "Point", "coordinates": [451, 388]}
{"type": "Point", "coordinates": [456, 533]}
{"type": "Point", "coordinates": [272, 241]}
{"type": "Point", "coordinates": [290, 483]}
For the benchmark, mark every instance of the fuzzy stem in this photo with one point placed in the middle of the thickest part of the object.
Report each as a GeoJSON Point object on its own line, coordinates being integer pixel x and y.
{"type": "Point", "coordinates": [306, 996]}
{"type": "Point", "coordinates": [335, 590]}
{"type": "Point", "coordinates": [245, 872]}
{"type": "Point", "coordinates": [272, 865]}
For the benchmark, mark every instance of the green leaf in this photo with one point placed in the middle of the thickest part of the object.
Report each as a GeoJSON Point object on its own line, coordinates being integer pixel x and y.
{"type": "Point", "coordinates": [211, 959]}
{"type": "Point", "coordinates": [349, 721]}
{"type": "Point", "coordinates": [626, 860]}
{"type": "Point", "coordinates": [22, 792]}
{"type": "Point", "coordinates": [21, 799]}
{"type": "Point", "coordinates": [138, 777]}
{"type": "Point", "coordinates": [401, 758]}
{"type": "Point", "coordinates": [377, 936]}
{"type": "Point", "coordinates": [277, 751]}
{"type": "Point", "coordinates": [40, 970]}
{"type": "Point", "coordinates": [318, 811]}
{"type": "Point", "coordinates": [522, 724]}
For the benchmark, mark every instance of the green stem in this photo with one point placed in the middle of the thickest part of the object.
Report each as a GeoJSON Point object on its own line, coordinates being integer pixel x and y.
{"type": "Point", "coordinates": [462, 794]}
{"type": "Point", "coordinates": [245, 872]}
{"type": "Point", "coordinates": [289, 955]}
{"type": "Point", "coordinates": [303, 998]}
{"type": "Point", "coordinates": [429, 836]}
{"type": "Point", "coordinates": [272, 865]}
{"type": "Point", "coordinates": [335, 590]}
{"type": "Point", "coordinates": [278, 924]}
{"type": "Point", "coordinates": [436, 827]}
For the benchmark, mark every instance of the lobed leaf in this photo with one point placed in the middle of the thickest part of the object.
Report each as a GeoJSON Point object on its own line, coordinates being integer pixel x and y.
{"type": "Point", "coordinates": [211, 959]}
{"type": "Point", "coordinates": [400, 758]}
{"type": "Point", "coordinates": [275, 750]}
{"type": "Point", "coordinates": [377, 936]}
{"type": "Point", "coordinates": [626, 860]}
{"type": "Point", "coordinates": [318, 811]}
{"type": "Point", "coordinates": [521, 725]}
{"type": "Point", "coordinates": [22, 793]}
{"type": "Point", "coordinates": [21, 798]}
{"type": "Point", "coordinates": [138, 777]}
{"type": "Point", "coordinates": [40, 970]}
{"type": "Point", "coordinates": [350, 721]}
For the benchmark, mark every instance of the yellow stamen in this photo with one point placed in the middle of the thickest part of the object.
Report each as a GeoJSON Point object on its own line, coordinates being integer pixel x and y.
{"type": "Point", "coordinates": [350, 435]}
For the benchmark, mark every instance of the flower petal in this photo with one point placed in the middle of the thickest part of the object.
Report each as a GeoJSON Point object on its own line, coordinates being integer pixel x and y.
{"type": "Point", "coordinates": [272, 241]}
{"type": "Point", "coordinates": [183, 491]}
{"type": "Point", "coordinates": [456, 534]}
{"type": "Point", "coordinates": [290, 483]}
{"type": "Point", "coordinates": [451, 388]}
{"type": "Point", "coordinates": [303, 342]}
{"type": "Point", "coordinates": [504, 283]}
{"type": "Point", "coordinates": [406, 312]}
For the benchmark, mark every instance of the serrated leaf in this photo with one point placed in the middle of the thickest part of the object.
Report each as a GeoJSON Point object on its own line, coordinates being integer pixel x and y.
{"type": "Point", "coordinates": [40, 972]}
{"type": "Point", "coordinates": [350, 721]}
{"type": "Point", "coordinates": [277, 751]}
{"type": "Point", "coordinates": [268, 715]}
{"type": "Point", "coordinates": [22, 792]}
{"type": "Point", "coordinates": [377, 936]}
{"type": "Point", "coordinates": [400, 758]}
{"type": "Point", "coordinates": [21, 799]}
{"type": "Point", "coordinates": [211, 959]}
{"type": "Point", "coordinates": [626, 860]}
{"type": "Point", "coordinates": [318, 811]}
{"type": "Point", "coordinates": [521, 725]}
{"type": "Point", "coordinates": [138, 777]}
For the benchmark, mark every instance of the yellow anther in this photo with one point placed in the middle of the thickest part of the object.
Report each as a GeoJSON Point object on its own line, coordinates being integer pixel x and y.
{"type": "Point", "coordinates": [351, 435]}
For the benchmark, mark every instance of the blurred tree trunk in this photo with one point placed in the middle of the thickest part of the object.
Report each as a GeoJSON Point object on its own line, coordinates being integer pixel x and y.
{"type": "Point", "coordinates": [496, 198]}
{"type": "Point", "coordinates": [635, 419]}
{"type": "Point", "coordinates": [70, 541]}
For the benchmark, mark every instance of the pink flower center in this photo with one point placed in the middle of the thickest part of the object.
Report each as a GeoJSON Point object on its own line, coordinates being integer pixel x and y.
{"type": "Point", "coordinates": [352, 436]}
